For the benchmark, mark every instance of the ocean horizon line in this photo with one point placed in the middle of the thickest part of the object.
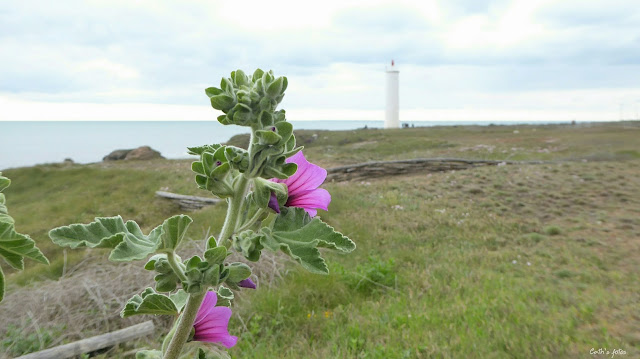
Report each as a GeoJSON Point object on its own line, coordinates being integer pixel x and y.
{"type": "Point", "coordinates": [28, 143]}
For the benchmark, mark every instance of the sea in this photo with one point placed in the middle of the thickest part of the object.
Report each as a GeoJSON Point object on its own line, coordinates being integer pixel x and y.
{"type": "Point", "coordinates": [28, 143]}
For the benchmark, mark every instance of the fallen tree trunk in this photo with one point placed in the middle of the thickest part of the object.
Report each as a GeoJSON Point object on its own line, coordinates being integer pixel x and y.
{"type": "Point", "coordinates": [190, 203]}
{"type": "Point", "coordinates": [391, 168]}
{"type": "Point", "coordinates": [94, 343]}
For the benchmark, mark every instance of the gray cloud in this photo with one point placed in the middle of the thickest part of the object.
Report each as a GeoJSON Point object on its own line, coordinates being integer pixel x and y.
{"type": "Point", "coordinates": [167, 53]}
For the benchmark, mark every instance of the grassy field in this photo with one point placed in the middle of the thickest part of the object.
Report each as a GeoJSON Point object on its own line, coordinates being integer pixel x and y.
{"type": "Point", "coordinates": [522, 261]}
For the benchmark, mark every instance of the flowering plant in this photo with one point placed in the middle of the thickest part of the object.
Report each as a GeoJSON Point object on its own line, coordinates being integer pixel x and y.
{"type": "Point", "coordinates": [273, 197]}
{"type": "Point", "coordinates": [14, 246]}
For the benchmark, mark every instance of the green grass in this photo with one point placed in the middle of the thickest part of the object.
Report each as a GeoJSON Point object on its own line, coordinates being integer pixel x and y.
{"type": "Point", "coordinates": [604, 141]}
{"type": "Point", "coordinates": [446, 281]}
{"type": "Point", "coordinates": [529, 261]}
{"type": "Point", "coordinates": [44, 197]}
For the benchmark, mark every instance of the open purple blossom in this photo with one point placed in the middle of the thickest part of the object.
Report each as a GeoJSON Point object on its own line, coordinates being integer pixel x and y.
{"type": "Point", "coordinates": [211, 323]}
{"type": "Point", "coordinates": [303, 187]}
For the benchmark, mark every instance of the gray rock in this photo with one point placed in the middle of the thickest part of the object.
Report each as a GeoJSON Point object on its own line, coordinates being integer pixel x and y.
{"type": "Point", "coordinates": [143, 153]}
{"type": "Point", "coordinates": [116, 155]}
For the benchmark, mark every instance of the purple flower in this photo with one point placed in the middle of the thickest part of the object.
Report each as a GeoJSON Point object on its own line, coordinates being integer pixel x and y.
{"type": "Point", "coordinates": [211, 323]}
{"type": "Point", "coordinates": [303, 187]}
{"type": "Point", "coordinates": [247, 283]}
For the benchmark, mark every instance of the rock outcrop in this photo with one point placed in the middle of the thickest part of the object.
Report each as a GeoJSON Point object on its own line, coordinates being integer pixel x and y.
{"type": "Point", "coordinates": [140, 153]}
{"type": "Point", "coordinates": [116, 155]}
{"type": "Point", "coordinates": [143, 153]}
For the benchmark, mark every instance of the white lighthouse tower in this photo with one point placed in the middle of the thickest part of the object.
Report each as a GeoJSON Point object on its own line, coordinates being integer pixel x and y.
{"type": "Point", "coordinates": [392, 117]}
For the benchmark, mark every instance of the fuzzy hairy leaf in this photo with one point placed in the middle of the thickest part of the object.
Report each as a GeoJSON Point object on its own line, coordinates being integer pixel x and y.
{"type": "Point", "coordinates": [14, 247]}
{"type": "Point", "coordinates": [4, 212]}
{"type": "Point", "coordinates": [1, 284]}
{"type": "Point", "coordinates": [179, 298]}
{"type": "Point", "coordinates": [149, 354]}
{"type": "Point", "coordinates": [173, 231]}
{"type": "Point", "coordinates": [149, 302]}
{"type": "Point", "coordinates": [4, 182]}
{"type": "Point", "coordinates": [126, 239]}
{"type": "Point", "coordinates": [212, 352]}
{"type": "Point", "coordinates": [300, 236]}
{"type": "Point", "coordinates": [225, 296]}
{"type": "Point", "coordinates": [216, 255]}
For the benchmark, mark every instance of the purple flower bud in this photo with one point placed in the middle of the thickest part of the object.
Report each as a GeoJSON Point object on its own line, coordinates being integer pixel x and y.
{"type": "Point", "coordinates": [218, 163]}
{"type": "Point", "coordinates": [273, 203]}
{"type": "Point", "coordinates": [247, 283]}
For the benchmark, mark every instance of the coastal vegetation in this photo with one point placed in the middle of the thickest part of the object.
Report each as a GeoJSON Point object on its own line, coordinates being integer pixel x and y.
{"type": "Point", "coordinates": [526, 260]}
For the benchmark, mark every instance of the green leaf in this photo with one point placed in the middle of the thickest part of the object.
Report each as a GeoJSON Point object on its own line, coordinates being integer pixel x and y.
{"type": "Point", "coordinates": [222, 102]}
{"type": "Point", "coordinates": [149, 354]}
{"type": "Point", "coordinates": [166, 279]}
{"type": "Point", "coordinates": [15, 246]}
{"type": "Point", "coordinates": [257, 75]}
{"type": "Point", "coordinates": [300, 236]}
{"type": "Point", "coordinates": [126, 239]}
{"type": "Point", "coordinates": [285, 130]}
{"type": "Point", "coordinates": [225, 296]}
{"type": "Point", "coordinates": [216, 255]}
{"type": "Point", "coordinates": [149, 302]}
{"type": "Point", "coordinates": [167, 282]}
{"type": "Point", "coordinates": [212, 91]}
{"type": "Point", "coordinates": [267, 137]}
{"type": "Point", "coordinates": [226, 85]}
{"type": "Point", "coordinates": [225, 293]}
{"type": "Point", "coordinates": [275, 88]}
{"type": "Point", "coordinates": [173, 231]}
{"type": "Point", "coordinates": [211, 242]}
{"type": "Point", "coordinates": [4, 182]}
{"type": "Point", "coordinates": [238, 272]}
{"type": "Point", "coordinates": [4, 212]}
{"type": "Point", "coordinates": [212, 352]}
{"type": "Point", "coordinates": [239, 78]}
{"type": "Point", "coordinates": [248, 243]}
{"type": "Point", "coordinates": [1, 284]}
{"type": "Point", "coordinates": [179, 298]}
{"type": "Point", "coordinates": [263, 189]}
{"type": "Point", "coordinates": [200, 149]}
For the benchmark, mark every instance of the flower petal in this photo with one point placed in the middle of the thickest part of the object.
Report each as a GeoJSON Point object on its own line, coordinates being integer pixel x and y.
{"type": "Point", "coordinates": [215, 328]}
{"type": "Point", "coordinates": [308, 176]}
{"type": "Point", "coordinates": [311, 200]}
{"type": "Point", "coordinates": [207, 306]}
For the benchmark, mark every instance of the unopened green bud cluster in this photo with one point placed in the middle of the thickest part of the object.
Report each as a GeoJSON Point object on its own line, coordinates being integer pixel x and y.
{"type": "Point", "coordinates": [248, 101]}
{"type": "Point", "coordinates": [200, 274]}
{"type": "Point", "coordinates": [242, 98]}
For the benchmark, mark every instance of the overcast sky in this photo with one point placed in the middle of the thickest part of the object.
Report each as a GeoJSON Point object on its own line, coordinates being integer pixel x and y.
{"type": "Point", "coordinates": [468, 59]}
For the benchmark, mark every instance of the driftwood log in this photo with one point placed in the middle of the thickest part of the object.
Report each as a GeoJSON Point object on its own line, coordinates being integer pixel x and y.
{"type": "Point", "coordinates": [391, 168]}
{"type": "Point", "coordinates": [188, 203]}
{"type": "Point", "coordinates": [363, 171]}
{"type": "Point", "coordinates": [94, 343]}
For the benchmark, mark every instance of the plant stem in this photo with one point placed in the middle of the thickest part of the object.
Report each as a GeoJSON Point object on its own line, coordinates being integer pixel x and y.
{"type": "Point", "coordinates": [233, 212]}
{"type": "Point", "coordinates": [185, 324]}
{"type": "Point", "coordinates": [250, 222]}
{"type": "Point", "coordinates": [177, 269]}
{"type": "Point", "coordinates": [167, 339]}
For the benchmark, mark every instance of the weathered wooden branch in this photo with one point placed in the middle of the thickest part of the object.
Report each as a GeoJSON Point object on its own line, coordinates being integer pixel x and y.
{"type": "Point", "coordinates": [390, 168]}
{"type": "Point", "coordinates": [188, 202]}
{"type": "Point", "coordinates": [94, 343]}
{"type": "Point", "coordinates": [366, 170]}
